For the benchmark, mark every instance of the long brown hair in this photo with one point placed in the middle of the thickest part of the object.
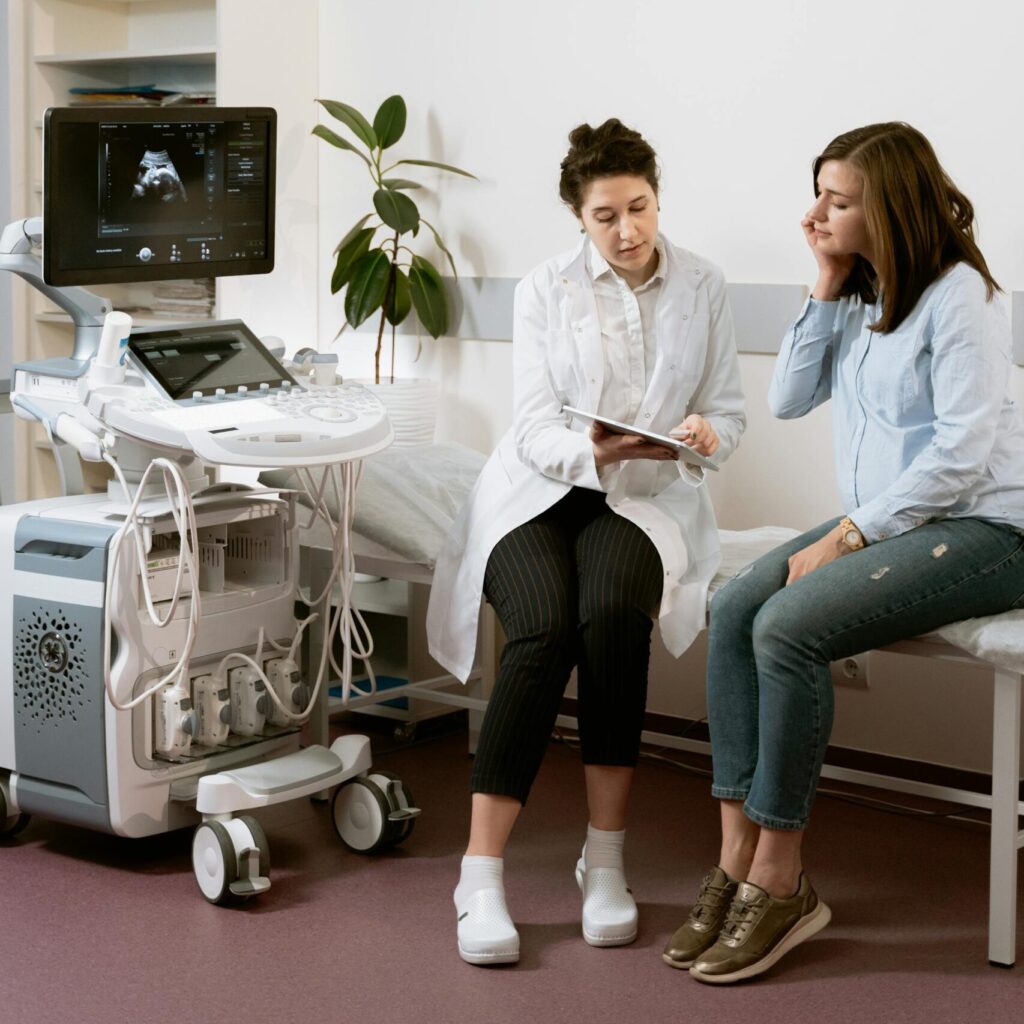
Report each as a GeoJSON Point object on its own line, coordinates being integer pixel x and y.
{"type": "Point", "coordinates": [920, 224]}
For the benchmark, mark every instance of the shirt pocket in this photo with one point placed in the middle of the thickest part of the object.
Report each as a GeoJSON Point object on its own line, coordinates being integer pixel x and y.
{"type": "Point", "coordinates": [900, 378]}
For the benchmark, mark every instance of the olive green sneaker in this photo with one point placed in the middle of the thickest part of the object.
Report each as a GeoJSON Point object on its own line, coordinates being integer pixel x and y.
{"type": "Point", "coordinates": [701, 928]}
{"type": "Point", "coordinates": [758, 931]}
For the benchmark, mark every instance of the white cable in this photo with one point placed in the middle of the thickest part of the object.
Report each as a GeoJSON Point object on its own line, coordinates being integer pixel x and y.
{"type": "Point", "coordinates": [345, 621]}
{"type": "Point", "coordinates": [184, 517]}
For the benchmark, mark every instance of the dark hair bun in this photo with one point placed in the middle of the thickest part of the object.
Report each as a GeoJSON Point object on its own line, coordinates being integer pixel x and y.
{"type": "Point", "coordinates": [604, 152]}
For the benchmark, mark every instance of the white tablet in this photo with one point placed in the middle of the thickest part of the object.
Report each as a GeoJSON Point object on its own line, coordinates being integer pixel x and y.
{"type": "Point", "coordinates": [686, 453]}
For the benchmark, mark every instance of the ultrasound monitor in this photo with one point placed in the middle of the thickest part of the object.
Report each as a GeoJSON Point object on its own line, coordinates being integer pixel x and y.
{"type": "Point", "coordinates": [148, 194]}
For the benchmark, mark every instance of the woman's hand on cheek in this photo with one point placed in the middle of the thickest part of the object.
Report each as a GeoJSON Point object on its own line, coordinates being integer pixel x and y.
{"type": "Point", "coordinates": [833, 270]}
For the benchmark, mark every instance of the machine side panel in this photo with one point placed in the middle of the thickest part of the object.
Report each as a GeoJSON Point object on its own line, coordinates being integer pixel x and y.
{"type": "Point", "coordinates": [57, 661]}
{"type": "Point", "coordinates": [58, 694]}
{"type": "Point", "coordinates": [61, 803]}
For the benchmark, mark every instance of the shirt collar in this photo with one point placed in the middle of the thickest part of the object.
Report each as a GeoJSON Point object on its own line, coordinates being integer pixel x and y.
{"type": "Point", "coordinates": [599, 266]}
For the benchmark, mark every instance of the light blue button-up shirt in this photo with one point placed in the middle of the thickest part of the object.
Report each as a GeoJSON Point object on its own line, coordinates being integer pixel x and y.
{"type": "Point", "coordinates": [924, 427]}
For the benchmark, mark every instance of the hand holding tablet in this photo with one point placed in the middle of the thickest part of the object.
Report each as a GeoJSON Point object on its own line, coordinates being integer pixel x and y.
{"type": "Point", "coordinates": [677, 445]}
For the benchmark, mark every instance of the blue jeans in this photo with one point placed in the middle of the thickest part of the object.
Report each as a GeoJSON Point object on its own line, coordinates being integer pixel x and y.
{"type": "Point", "coordinates": [770, 697]}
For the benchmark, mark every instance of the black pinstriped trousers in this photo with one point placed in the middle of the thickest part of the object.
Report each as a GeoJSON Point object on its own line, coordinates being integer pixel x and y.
{"type": "Point", "coordinates": [578, 585]}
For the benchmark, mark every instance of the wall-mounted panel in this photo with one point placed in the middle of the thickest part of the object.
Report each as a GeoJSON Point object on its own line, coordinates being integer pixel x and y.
{"type": "Point", "coordinates": [482, 311]}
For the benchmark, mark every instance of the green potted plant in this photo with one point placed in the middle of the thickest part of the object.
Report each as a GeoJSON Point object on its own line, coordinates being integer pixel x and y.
{"type": "Point", "coordinates": [380, 272]}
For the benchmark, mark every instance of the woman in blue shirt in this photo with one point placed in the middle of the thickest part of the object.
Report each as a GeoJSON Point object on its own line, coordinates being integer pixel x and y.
{"type": "Point", "coordinates": [904, 333]}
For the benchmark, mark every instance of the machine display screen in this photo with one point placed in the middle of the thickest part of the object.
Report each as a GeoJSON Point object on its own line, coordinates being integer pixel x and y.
{"type": "Point", "coordinates": [135, 194]}
{"type": "Point", "coordinates": [183, 360]}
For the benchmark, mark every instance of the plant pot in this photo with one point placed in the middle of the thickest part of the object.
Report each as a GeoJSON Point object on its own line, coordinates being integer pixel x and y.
{"type": "Point", "coordinates": [412, 406]}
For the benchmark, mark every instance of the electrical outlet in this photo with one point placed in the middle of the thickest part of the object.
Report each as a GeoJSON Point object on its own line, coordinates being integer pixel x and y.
{"type": "Point", "coordinates": [851, 671]}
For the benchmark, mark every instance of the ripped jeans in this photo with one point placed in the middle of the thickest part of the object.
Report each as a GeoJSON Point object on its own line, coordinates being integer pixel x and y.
{"type": "Point", "coordinates": [770, 697]}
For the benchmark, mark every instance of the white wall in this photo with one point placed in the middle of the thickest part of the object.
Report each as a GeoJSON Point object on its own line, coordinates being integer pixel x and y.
{"type": "Point", "coordinates": [267, 56]}
{"type": "Point", "coordinates": [737, 97]}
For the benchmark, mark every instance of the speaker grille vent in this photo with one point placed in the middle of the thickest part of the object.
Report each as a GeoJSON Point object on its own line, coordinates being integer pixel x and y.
{"type": "Point", "coordinates": [50, 669]}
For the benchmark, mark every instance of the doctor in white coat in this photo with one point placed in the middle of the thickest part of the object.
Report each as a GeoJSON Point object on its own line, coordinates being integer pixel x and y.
{"type": "Point", "coordinates": [579, 538]}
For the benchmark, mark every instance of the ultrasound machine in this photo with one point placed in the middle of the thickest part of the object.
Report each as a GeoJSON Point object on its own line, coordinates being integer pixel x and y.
{"type": "Point", "coordinates": [151, 671]}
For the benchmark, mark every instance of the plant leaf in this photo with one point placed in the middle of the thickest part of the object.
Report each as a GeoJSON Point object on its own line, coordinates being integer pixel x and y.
{"type": "Point", "coordinates": [367, 287]}
{"type": "Point", "coordinates": [348, 256]}
{"type": "Point", "coordinates": [327, 135]}
{"type": "Point", "coordinates": [424, 266]}
{"type": "Point", "coordinates": [350, 116]}
{"type": "Point", "coordinates": [396, 183]}
{"type": "Point", "coordinates": [351, 234]}
{"type": "Point", "coordinates": [396, 210]}
{"type": "Point", "coordinates": [401, 301]}
{"type": "Point", "coordinates": [443, 167]}
{"type": "Point", "coordinates": [428, 296]}
{"type": "Point", "coordinates": [441, 246]}
{"type": "Point", "coordinates": [389, 121]}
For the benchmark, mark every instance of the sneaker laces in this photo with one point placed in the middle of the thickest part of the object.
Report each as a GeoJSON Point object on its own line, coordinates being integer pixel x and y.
{"type": "Point", "coordinates": [740, 914]}
{"type": "Point", "coordinates": [709, 901]}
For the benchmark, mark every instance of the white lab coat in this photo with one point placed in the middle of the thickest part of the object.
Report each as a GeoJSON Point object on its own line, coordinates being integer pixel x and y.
{"type": "Point", "coordinates": [558, 360]}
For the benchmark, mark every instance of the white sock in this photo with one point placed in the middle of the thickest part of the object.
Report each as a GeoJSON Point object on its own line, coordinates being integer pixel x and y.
{"type": "Point", "coordinates": [604, 849]}
{"type": "Point", "coordinates": [479, 873]}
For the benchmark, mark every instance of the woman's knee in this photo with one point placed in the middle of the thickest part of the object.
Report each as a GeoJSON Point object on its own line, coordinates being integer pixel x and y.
{"type": "Point", "coordinates": [618, 608]}
{"type": "Point", "coordinates": [736, 604]}
{"type": "Point", "coordinates": [781, 624]}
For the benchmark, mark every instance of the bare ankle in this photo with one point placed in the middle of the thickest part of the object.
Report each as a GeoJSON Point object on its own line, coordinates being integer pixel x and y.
{"type": "Point", "coordinates": [779, 883]}
{"type": "Point", "coordinates": [736, 858]}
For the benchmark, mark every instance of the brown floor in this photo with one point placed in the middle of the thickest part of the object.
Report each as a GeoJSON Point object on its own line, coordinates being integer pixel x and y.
{"type": "Point", "coordinates": [95, 928]}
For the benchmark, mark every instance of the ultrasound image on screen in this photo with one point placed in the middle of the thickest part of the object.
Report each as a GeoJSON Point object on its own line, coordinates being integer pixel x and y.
{"type": "Point", "coordinates": [158, 180]}
{"type": "Point", "coordinates": [152, 179]}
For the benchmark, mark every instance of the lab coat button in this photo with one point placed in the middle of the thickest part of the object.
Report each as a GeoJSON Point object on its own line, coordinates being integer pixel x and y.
{"type": "Point", "coordinates": [686, 316]}
{"type": "Point", "coordinates": [673, 366]}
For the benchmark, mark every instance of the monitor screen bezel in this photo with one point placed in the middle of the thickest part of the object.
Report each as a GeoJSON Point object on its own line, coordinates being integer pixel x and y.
{"type": "Point", "coordinates": [185, 332]}
{"type": "Point", "coordinates": [55, 117]}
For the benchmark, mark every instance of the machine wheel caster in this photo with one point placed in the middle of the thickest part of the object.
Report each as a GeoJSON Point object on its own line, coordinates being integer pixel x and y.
{"type": "Point", "coordinates": [10, 824]}
{"type": "Point", "coordinates": [373, 812]}
{"type": "Point", "coordinates": [402, 809]}
{"type": "Point", "coordinates": [360, 814]}
{"type": "Point", "coordinates": [231, 859]}
{"type": "Point", "coordinates": [213, 861]}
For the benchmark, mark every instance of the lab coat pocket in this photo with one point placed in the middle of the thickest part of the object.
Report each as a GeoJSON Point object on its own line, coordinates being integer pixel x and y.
{"type": "Point", "coordinates": [562, 364]}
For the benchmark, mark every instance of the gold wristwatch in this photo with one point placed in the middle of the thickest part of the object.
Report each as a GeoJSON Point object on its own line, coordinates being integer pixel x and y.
{"type": "Point", "coordinates": [849, 532]}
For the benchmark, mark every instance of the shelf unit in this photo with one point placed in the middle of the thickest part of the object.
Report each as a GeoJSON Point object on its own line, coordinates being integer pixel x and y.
{"type": "Point", "coordinates": [395, 611]}
{"type": "Point", "coordinates": [93, 43]}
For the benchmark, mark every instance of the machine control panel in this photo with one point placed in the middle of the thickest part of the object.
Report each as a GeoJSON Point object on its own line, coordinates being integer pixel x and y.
{"type": "Point", "coordinates": [215, 389]}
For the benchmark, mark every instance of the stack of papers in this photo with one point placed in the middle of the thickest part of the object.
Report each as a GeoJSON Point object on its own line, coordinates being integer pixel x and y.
{"type": "Point", "coordinates": [136, 96]}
